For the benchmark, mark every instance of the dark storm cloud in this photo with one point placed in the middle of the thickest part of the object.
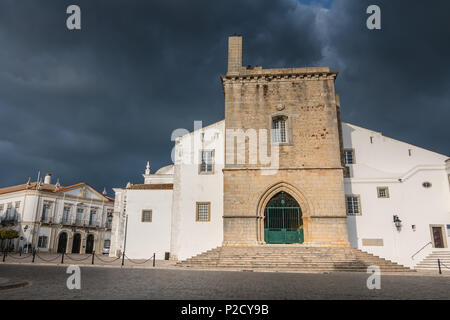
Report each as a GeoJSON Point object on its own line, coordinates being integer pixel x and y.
{"type": "Point", "coordinates": [95, 104]}
{"type": "Point", "coordinates": [394, 80]}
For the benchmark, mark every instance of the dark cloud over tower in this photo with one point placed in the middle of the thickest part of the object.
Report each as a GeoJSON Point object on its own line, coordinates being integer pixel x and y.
{"type": "Point", "coordinates": [96, 104]}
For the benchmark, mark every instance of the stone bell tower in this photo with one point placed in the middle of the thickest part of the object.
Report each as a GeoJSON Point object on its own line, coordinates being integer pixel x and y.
{"type": "Point", "coordinates": [291, 115]}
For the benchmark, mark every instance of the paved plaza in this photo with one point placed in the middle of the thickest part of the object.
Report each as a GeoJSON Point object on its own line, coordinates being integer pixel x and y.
{"type": "Point", "coordinates": [49, 282]}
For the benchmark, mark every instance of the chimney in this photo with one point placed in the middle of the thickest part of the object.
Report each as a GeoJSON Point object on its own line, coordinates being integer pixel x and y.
{"type": "Point", "coordinates": [234, 55]}
{"type": "Point", "coordinates": [48, 178]}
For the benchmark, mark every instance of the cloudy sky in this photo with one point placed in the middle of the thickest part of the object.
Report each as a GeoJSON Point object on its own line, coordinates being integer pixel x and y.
{"type": "Point", "coordinates": [94, 105]}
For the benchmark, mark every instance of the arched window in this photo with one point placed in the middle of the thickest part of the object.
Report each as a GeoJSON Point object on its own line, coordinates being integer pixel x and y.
{"type": "Point", "coordinates": [279, 129]}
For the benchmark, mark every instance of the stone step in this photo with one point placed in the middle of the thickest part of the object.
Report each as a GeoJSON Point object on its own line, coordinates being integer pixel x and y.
{"type": "Point", "coordinates": [367, 261]}
{"type": "Point", "coordinates": [290, 258]}
{"type": "Point", "coordinates": [298, 268]}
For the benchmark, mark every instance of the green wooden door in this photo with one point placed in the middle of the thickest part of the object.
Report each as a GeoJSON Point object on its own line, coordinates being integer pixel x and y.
{"type": "Point", "coordinates": [283, 225]}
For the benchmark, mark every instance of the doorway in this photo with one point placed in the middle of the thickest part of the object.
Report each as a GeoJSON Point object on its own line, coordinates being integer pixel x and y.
{"type": "Point", "coordinates": [76, 243]}
{"type": "Point", "coordinates": [62, 242]}
{"type": "Point", "coordinates": [90, 243]}
{"type": "Point", "coordinates": [283, 220]}
{"type": "Point", "coordinates": [438, 237]}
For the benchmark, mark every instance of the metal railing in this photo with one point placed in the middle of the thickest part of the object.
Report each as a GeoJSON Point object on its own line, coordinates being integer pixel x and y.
{"type": "Point", "coordinates": [440, 265]}
{"type": "Point", "coordinates": [77, 258]}
{"type": "Point", "coordinates": [11, 219]}
{"type": "Point", "coordinates": [73, 222]}
{"type": "Point", "coordinates": [412, 257]}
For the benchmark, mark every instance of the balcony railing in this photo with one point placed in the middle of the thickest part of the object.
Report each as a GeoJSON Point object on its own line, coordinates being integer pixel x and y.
{"type": "Point", "coordinates": [46, 219]}
{"type": "Point", "coordinates": [9, 219]}
{"type": "Point", "coordinates": [73, 221]}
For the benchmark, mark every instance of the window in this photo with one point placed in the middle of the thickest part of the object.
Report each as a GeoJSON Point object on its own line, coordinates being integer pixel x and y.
{"type": "Point", "coordinates": [92, 217]}
{"type": "Point", "coordinates": [45, 212]}
{"type": "Point", "coordinates": [279, 130]}
{"type": "Point", "coordinates": [146, 216]}
{"type": "Point", "coordinates": [349, 156]}
{"type": "Point", "coordinates": [383, 192]}
{"type": "Point", "coordinates": [448, 230]}
{"type": "Point", "coordinates": [426, 185]}
{"type": "Point", "coordinates": [1, 210]}
{"type": "Point", "coordinates": [15, 213]}
{"type": "Point", "coordinates": [353, 206]}
{"type": "Point", "coordinates": [109, 217]}
{"type": "Point", "coordinates": [66, 213]}
{"type": "Point", "coordinates": [42, 242]}
{"type": "Point", "coordinates": [206, 164]}
{"type": "Point", "coordinates": [203, 211]}
{"type": "Point", "coordinates": [107, 244]}
{"type": "Point", "coordinates": [8, 211]}
{"type": "Point", "coordinates": [79, 216]}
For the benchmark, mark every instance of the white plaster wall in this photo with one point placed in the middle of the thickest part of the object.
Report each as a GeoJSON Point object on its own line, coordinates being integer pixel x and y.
{"type": "Point", "coordinates": [190, 237]}
{"type": "Point", "coordinates": [145, 238]}
{"type": "Point", "coordinates": [386, 163]}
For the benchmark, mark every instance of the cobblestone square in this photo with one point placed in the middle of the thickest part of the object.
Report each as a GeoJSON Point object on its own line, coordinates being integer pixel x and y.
{"type": "Point", "coordinates": [49, 282]}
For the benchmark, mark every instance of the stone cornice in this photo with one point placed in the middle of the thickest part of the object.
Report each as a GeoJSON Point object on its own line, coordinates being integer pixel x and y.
{"type": "Point", "coordinates": [267, 77]}
{"type": "Point", "coordinates": [290, 168]}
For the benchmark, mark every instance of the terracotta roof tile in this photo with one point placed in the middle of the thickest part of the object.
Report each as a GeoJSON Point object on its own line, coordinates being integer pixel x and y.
{"type": "Point", "coordinates": [166, 186]}
{"type": "Point", "coordinates": [45, 187]}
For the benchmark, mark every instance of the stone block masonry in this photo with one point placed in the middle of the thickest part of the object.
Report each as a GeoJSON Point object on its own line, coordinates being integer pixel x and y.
{"type": "Point", "coordinates": [310, 164]}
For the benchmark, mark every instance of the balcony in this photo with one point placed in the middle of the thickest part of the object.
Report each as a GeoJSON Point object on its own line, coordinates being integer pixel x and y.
{"type": "Point", "coordinates": [75, 222]}
{"type": "Point", "coordinates": [46, 220]}
{"type": "Point", "coordinates": [9, 220]}
{"type": "Point", "coordinates": [82, 223]}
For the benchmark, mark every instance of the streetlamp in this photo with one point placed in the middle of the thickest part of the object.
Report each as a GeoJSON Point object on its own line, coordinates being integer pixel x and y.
{"type": "Point", "coordinates": [397, 222]}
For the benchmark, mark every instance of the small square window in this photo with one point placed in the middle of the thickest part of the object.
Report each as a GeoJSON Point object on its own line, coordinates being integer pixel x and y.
{"type": "Point", "coordinates": [349, 156]}
{"type": "Point", "coordinates": [146, 216]}
{"type": "Point", "coordinates": [383, 192]}
{"type": "Point", "coordinates": [206, 162]}
{"type": "Point", "coordinates": [203, 211]}
{"type": "Point", "coordinates": [353, 205]}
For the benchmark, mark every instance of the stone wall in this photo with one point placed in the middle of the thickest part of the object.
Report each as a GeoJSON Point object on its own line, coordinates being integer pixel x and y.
{"type": "Point", "coordinates": [309, 167]}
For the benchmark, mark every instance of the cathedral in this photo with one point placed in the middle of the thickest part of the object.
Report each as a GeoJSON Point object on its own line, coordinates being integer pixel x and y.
{"type": "Point", "coordinates": [283, 173]}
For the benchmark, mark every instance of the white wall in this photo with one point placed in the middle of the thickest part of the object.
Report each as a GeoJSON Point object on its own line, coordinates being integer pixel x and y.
{"type": "Point", "coordinates": [145, 238]}
{"type": "Point", "coordinates": [386, 163]}
{"type": "Point", "coordinates": [191, 237]}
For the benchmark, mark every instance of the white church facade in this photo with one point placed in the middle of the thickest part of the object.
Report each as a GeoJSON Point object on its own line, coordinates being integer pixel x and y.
{"type": "Point", "coordinates": [387, 179]}
{"type": "Point", "coordinates": [336, 184]}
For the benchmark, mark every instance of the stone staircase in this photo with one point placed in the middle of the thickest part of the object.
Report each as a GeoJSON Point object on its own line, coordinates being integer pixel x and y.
{"type": "Point", "coordinates": [290, 258]}
{"type": "Point", "coordinates": [430, 263]}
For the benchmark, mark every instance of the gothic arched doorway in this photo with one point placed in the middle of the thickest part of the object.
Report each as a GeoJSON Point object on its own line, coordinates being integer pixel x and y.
{"type": "Point", "coordinates": [283, 220]}
{"type": "Point", "coordinates": [76, 243]}
{"type": "Point", "coordinates": [90, 243]}
{"type": "Point", "coordinates": [62, 242]}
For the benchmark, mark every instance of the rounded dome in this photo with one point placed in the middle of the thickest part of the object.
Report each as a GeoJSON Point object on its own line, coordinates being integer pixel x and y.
{"type": "Point", "coordinates": [165, 170]}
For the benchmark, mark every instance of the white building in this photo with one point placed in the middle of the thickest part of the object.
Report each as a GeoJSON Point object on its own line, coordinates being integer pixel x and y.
{"type": "Point", "coordinates": [387, 178]}
{"type": "Point", "coordinates": [53, 218]}
{"type": "Point", "coordinates": [392, 178]}
{"type": "Point", "coordinates": [160, 211]}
